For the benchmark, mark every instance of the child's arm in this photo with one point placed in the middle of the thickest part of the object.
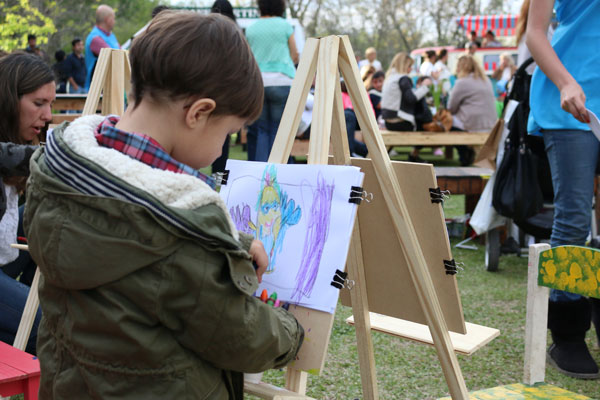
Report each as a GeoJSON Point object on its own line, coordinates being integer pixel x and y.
{"type": "Point", "coordinates": [259, 257]}
{"type": "Point", "coordinates": [208, 303]}
{"type": "Point", "coordinates": [14, 159]}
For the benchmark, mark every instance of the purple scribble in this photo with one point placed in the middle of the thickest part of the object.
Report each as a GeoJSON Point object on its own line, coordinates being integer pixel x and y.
{"type": "Point", "coordinates": [241, 218]}
{"type": "Point", "coordinates": [316, 236]}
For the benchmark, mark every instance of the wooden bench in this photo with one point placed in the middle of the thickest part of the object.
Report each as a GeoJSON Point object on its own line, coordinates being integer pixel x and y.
{"type": "Point", "coordinates": [469, 181]}
{"type": "Point", "coordinates": [19, 373]}
{"type": "Point", "coordinates": [413, 138]}
{"type": "Point", "coordinates": [65, 102]}
{"type": "Point", "coordinates": [68, 102]}
{"type": "Point", "coordinates": [419, 138]}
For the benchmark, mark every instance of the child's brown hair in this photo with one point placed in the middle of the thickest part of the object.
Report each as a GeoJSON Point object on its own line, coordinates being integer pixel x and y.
{"type": "Point", "coordinates": [187, 55]}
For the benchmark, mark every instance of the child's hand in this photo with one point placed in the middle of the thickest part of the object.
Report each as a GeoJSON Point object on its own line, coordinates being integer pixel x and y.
{"type": "Point", "coordinates": [259, 257]}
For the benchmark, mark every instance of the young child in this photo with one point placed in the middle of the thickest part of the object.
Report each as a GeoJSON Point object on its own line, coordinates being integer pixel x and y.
{"type": "Point", "coordinates": [147, 287]}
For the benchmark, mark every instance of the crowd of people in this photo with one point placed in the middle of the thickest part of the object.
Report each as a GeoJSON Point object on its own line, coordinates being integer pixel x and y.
{"type": "Point", "coordinates": [73, 72]}
{"type": "Point", "coordinates": [200, 100]}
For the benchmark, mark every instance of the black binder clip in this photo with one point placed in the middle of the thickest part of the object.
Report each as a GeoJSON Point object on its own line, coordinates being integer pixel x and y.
{"type": "Point", "coordinates": [339, 280]}
{"type": "Point", "coordinates": [358, 194]}
{"type": "Point", "coordinates": [437, 195]}
{"type": "Point", "coordinates": [452, 267]}
{"type": "Point", "coordinates": [221, 178]}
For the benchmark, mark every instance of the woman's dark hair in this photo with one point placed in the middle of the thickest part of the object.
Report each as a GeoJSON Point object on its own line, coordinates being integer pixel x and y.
{"type": "Point", "coordinates": [223, 7]}
{"type": "Point", "coordinates": [271, 8]}
{"type": "Point", "coordinates": [441, 54]}
{"type": "Point", "coordinates": [20, 73]}
{"type": "Point", "coordinates": [378, 74]}
{"type": "Point", "coordinates": [59, 55]}
{"type": "Point", "coordinates": [157, 10]}
{"type": "Point", "coordinates": [430, 54]}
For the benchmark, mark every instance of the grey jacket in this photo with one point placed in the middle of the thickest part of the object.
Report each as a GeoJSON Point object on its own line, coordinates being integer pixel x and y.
{"type": "Point", "coordinates": [14, 161]}
{"type": "Point", "coordinates": [472, 102]}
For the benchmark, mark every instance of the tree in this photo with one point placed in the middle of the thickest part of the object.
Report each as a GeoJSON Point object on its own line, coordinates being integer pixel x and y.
{"type": "Point", "coordinates": [19, 19]}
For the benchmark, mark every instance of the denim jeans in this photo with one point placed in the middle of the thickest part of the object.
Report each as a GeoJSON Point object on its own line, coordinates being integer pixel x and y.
{"type": "Point", "coordinates": [13, 295]}
{"type": "Point", "coordinates": [355, 146]}
{"type": "Point", "coordinates": [265, 128]}
{"type": "Point", "coordinates": [572, 155]}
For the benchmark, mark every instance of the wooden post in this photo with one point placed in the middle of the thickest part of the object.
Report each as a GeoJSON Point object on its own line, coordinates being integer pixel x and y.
{"type": "Point", "coordinates": [356, 271]}
{"type": "Point", "coordinates": [29, 313]}
{"type": "Point", "coordinates": [536, 321]}
{"type": "Point", "coordinates": [404, 229]}
{"type": "Point", "coordinates": [111, 78]}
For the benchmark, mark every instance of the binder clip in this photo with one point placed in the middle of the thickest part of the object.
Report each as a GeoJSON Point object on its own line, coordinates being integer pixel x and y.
{"type": "Point", "coordinates": [221, 178]}
{"type": "Point", "coordinates": [358, 194]}
{"type": "Point", "coordinates": [452, 267]}
{"type": "Point", "coordinates": [339, 280]}
{"type": "Point", "coordinates": [438, 196]}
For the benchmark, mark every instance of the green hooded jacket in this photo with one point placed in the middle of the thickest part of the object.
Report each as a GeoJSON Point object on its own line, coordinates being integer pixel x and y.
{"type": "Point", "coordinates": [146, 287]}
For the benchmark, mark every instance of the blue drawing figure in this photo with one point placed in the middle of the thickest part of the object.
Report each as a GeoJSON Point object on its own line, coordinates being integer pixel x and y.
{"type": "Point", "coordinates": [275, 214]}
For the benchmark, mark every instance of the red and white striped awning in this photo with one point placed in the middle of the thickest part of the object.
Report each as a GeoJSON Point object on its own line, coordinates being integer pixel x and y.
{"type": "Point", "coordinates": [501, 25]}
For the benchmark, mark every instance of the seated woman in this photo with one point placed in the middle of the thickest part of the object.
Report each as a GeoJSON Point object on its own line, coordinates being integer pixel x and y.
{"type": "Point", "coordinates": [400, 102]}
{"type": "Point", "coordinates": [28, 90]}
{"type": "Point", "coordinates": [471, 103]}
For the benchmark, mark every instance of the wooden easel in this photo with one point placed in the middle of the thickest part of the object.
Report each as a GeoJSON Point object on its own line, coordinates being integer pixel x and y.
{"type": "Point", "coordinates": [111, 78]}
{"type": "Point", "coordinates": [328, 57]}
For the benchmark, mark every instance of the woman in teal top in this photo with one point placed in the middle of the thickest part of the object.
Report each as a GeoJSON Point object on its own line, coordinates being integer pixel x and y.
{"type": "Point", "coordinates": [271, 39]}
{"type": "Point", "coordinates": [569, 70]}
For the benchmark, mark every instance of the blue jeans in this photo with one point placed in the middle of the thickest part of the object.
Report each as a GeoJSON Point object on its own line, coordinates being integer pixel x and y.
{"type": "Point", "coordinates": [13, 295]}
{"type": "Point", "coordinates": [573, 155]}
{"type": "Point", "coordinates": [355, 146]}
{"type": "Point", "coordinates": [265, 128]}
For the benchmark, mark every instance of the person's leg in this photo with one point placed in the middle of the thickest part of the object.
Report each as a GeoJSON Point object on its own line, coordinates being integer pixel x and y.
{"type": "Point", "coordinates": [263, 128]}
{"type": "Point", "coordinates": [278, 96]}
{"type": "Point", "coordinates": [572, 156]}
{"type": "Point", "coordinates": [251, 137]}
{"type": "Point", "coordinates": [23, 267]}
{"type": "Point", "coordinates": [356, 148]}
{"type": "Point", "coordinates": [219, 164]}
{"type": "Point", "coordinates": [13, 296]}
{"type": "Point", "coordinates": [404, 126]}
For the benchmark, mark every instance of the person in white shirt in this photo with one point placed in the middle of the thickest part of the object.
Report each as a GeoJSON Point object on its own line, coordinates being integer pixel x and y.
{"type": "Point", "coordinates": [370, 60]}
{"type": "Point", "coordinates": [440, 65]}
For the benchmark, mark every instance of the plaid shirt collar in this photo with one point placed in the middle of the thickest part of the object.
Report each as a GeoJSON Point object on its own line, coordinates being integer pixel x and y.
{"type": "Point", "coordinates": [143, 148]}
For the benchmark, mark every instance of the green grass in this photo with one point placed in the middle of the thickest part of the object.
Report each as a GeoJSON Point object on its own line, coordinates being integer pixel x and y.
{"type": "Point", "coordinates": [408, 370]}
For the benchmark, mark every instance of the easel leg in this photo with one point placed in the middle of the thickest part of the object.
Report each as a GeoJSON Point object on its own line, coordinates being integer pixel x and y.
{"type": "Point", "coordinates": [296, 380]}
{"type": "Point", "coordinates": [358, 294]}
{"type": "Point", "coordinates": [404, 230]}
{"type": "Point", "coordinates": [93, 97]}
{"type": "Point", "coordinates": [29, 313]}
{"type": "Point", "coordinates": [536, 320]}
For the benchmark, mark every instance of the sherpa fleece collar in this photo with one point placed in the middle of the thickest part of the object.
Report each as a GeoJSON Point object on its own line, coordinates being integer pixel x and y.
{"type": "Point", "coordinates": [174, 190]}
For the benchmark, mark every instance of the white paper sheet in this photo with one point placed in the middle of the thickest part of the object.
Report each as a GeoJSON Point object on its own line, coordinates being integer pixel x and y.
{"type": "Point", "coordinates": [302, 215]}
{"type": "Point", "coordinates": [594, 124]}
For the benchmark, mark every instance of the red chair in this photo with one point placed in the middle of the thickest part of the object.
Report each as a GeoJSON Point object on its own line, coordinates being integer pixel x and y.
{"type": "Point", "coordinates": [19, 372]}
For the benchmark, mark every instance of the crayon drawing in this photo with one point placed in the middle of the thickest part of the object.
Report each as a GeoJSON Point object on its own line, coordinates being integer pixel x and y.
{"type": "Point", "coordinates": [316, 237]}
{"type": "Point", "coordinates": [275, 214]}
{"type": "Point", "coordinates": [302, 216]}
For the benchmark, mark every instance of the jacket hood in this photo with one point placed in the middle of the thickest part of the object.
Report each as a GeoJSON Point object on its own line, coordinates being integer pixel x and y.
{"type": "Point", "coordinates": [95, 209]}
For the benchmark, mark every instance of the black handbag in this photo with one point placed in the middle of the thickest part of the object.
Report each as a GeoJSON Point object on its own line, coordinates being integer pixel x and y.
{"type": "Point", "coordinates": [517, 192]}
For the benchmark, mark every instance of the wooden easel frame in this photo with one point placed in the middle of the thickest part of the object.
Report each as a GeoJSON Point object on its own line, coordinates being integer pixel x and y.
{"type": "Point", "coordinates": [328, 57]}
{"type": "Point", "coordinates": [112, 79]}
